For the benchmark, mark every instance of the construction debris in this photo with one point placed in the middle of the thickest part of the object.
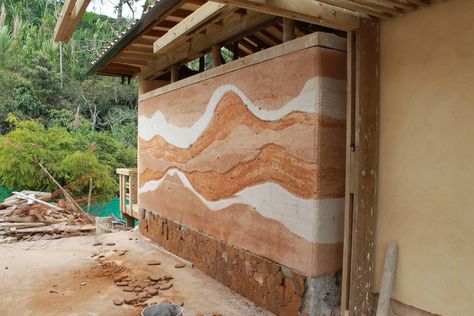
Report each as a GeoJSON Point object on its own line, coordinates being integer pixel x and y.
{"type": "Point", "coordinates": [29, 216]}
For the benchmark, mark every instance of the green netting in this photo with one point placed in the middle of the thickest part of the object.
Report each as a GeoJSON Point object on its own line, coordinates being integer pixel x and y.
{"type": "Point", "coordinates": [4, 193]}
{"type": "Point", "coordinates": [107, 208]}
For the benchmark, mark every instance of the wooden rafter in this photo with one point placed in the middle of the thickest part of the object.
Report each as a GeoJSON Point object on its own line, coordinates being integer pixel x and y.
{"type": "Point", "coordinates": [69, 18]}
{"type": "Point", "coordinates": [305, 10]}
{"type": "Point", "coordinates": [234, 26]}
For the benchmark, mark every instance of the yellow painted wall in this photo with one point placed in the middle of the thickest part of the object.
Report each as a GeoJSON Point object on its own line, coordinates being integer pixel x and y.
{"type": "Point", "coordinates": [426, 157]}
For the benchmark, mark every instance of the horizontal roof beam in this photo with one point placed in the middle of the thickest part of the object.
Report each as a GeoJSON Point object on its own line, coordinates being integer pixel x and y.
{"type": "Point", "coordinates": [180, 31]}
{"type": "Point", "coordinates": [310, 11]}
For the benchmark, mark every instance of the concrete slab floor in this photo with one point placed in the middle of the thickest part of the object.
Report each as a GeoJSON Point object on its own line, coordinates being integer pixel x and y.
{"type": "Point", "coordinates": [62, 277]}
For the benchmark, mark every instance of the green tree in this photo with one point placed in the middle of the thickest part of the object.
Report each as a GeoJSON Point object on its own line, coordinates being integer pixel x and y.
{"type": "Point", "coordinates": [30, 144]}
{"type": "Point", "coordinates": [80, 167]}
{"type": "Point", "coordinates": [27, 145]}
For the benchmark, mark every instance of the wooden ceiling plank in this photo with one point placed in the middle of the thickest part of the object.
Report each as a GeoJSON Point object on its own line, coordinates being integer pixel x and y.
{"type": "Point", "coordinates": [380, 6]}
{"type": "Point", "coordinates": [268, 41]}
{"type": "Point", "coordinates": [402, 4]}
{"type": "Point", "coordinates": [309, 11]}
{"type": "Point", "coordinates": [131, 61]}
{"type": "Point", "coordinates": [261, 43]}
{"type": "Point", "coordinates": [188, 25]}
{"type": "Point", "coordinates": [420, 2]}
{"type": "Point", "coordinates": [354, 6]}
{"type": "Point", "coordinates": [164, 25]}
{"type": "Point", "coordinates": [136, 55]}
{"type": "Point", "coordinates": [154, 33]}
{"type": "Point", "coordinates": [270, 36]}
{"type": "Point", "coordinates": [139, 48]}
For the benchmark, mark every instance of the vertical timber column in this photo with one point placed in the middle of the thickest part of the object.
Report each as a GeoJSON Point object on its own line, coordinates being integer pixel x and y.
{"type": "Point", "coordinates": [349, 187]}
{"type": "Point", "coordinates": [288, 30]}
{"type": "Point", "coordinates": [216, 56]}
{"type": "Point", "coordinates": [365, 167]}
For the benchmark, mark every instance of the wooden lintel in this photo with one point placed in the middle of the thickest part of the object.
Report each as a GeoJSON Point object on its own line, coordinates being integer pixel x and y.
{"type": "Point", "coordinates": [310, 11]}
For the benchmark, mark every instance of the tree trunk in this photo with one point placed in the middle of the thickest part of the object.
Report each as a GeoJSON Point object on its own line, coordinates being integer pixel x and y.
{"type": "Point", "coordinates": [120, 9]}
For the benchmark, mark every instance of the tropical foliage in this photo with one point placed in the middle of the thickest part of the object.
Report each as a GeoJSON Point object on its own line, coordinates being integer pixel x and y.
{"type": "Point", "coordinates": [79, 127]}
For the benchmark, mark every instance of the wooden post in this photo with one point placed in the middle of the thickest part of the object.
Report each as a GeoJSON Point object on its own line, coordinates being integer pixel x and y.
{"type": "Point", "coordinates": [365, 167]}
{"type": "Point", "coordinates": [89, 197]}
{"type": "Point", "coordinates": [174, 73]}
{"type": "Point", "coordinates": [216, 56]}
{"type": "Point", "coordinates": [235, 50]}
{"type": "Point", "coordinates": [288, 30]}
{"type": "Point", "coordinates": [349, 188]}
{"type": "Point", "coordinates": [202, 64]}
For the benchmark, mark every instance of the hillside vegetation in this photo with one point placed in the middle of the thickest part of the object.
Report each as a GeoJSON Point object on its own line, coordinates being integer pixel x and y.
{"type": "Point", "coordinates": [79, 127]}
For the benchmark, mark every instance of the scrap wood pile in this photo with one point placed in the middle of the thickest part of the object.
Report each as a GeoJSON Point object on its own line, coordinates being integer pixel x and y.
{"type": "Point", "coordinates": [29, 216]}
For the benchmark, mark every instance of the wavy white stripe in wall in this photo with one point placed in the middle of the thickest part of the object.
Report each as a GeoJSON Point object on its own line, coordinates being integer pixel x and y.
{"type": "Point", "coordinates": [319, 221]}
{"type": "Point", "coordinates": [320, 95]}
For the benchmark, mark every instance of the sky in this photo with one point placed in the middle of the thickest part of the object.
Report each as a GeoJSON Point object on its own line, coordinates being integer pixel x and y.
{"type": "Point", "coordinates": [107, 7]}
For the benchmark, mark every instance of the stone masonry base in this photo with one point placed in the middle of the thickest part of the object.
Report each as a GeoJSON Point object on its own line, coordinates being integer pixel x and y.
{"type": "Point", "coordinates": [268, 284]}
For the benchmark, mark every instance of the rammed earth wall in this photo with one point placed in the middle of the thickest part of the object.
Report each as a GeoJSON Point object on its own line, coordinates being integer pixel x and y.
{"type": "Point", "coordinates": [252, 163]}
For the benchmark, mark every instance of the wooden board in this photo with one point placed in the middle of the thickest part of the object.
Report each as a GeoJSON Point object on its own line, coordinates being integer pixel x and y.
{"type": "Point", "coordinates": [365, 168]}
{"type": "Point", "coordinates": [349, 189]}
{"type": "Point", "coordinates": [189, 24]}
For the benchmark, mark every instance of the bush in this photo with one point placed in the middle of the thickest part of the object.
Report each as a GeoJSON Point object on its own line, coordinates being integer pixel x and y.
{"type": "Point", "coordinates": [30, 143]}
{"type": "Point", "coordinates": [17, 97]}
{"type": "Point", "coordinates": [79, 167]}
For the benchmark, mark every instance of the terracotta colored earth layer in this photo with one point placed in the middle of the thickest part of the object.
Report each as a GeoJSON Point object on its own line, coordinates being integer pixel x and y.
{"type": "Point", "coordinates": [254, 158]}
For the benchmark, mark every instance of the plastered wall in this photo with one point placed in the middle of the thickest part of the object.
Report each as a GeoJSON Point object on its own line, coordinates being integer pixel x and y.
{"type": "Point", "coordinates": [426, 157]}
{"type": "Point", "coordinates": [254, 157]}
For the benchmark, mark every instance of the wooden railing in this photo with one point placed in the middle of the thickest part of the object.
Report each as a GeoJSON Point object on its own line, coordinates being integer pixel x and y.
{"type": "Point", "coordinates": [128, 194]}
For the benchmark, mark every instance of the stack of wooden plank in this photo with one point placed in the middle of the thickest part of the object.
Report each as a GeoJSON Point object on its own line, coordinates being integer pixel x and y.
{"type": "Point", "coordinates": [28, 215]}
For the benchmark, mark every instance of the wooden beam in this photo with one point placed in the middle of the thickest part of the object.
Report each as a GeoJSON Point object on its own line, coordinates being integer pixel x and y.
{"type": "Point", "coordinates": [365, 167]}
{"type": "Point", "coordinates": [234, 26]}
{"type": "Point", "coordinates": [69, 18]}
{"type": "Point", "coordinates": [174, 73]}
{"type": "Point", "coordinates": [202, 63]}
{"type": "Point", "coordinates": [349, 187]}
{"type": "Point", "coordinates": [288, 29]}
{"type": "Point", "coordinates": [180, 31]}
{"type": "Point", "coordinates": [310, 11]}
{"type": "Point", "coordinates": [216, 56]}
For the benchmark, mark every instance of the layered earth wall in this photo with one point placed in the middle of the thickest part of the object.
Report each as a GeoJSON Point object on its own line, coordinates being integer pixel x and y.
{"type": "Point", "coordinates": [243, 174]}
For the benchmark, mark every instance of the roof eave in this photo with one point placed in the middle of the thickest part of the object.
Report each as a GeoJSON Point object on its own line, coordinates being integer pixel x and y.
{"type": "Point", "coordinates": [158, 10]}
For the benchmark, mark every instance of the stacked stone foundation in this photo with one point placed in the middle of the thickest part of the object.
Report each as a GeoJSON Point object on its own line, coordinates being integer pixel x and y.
{"type": "Point", "coordinates": [270, 285]}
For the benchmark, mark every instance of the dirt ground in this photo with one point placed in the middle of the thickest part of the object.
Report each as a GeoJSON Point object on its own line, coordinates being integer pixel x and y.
{"type": "Point", "coordinates": [67, 277]}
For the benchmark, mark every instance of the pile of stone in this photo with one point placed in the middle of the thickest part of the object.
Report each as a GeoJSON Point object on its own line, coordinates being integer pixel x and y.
{"type": "Point", "coordinates": [29, 216]}
{"type": "Point", "coordinates": [137, 291]}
